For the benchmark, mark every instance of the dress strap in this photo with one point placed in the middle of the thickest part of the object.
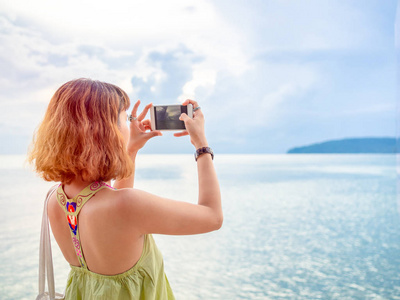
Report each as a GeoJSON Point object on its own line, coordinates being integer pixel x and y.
{"type": "Point", "coordinates": [72, 207]}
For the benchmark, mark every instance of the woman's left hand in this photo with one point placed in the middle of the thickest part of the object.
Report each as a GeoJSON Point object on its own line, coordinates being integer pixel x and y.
{"type": "Point", "coordinates": [139, 134]}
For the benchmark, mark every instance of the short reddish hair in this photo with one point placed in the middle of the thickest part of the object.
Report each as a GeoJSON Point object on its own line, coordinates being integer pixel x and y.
{"type": "Point", "coordinates": [80, 136]}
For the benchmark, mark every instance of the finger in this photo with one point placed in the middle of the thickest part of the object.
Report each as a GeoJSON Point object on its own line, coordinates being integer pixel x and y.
{"type": "Point", "coordinates": [198, 113]}
{"type": "Point", "coordinates": [184, 117]}
{"type": "Point", "coordinates": [158, 132]}
{"type": "Point", "coordinates": [135, 108]}
{"type": "Point", "coordinates": [153, 133]}
{"type": "Point", "coordinates": [194, 103]}
{"type": "Point", "coordinates": [142, 127]}
{"type": "Point", "coordinates": [144, 112]}
{"type": "Point", "coordinates": [146, 122]}
{"type": "Point", "coordinates": [182, 133]}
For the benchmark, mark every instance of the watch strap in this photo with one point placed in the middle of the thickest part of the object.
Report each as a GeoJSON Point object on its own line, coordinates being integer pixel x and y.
{"type": "Point", "coordinates": [203, 150]}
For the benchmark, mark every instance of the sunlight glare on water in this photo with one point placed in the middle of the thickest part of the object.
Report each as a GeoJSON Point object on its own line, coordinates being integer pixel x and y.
{"type": "Point", "coordinates": [295, 227]}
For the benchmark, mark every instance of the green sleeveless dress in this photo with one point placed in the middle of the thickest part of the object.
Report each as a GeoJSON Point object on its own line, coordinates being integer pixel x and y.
{"type": "Point", "coordinates": [145, 280]}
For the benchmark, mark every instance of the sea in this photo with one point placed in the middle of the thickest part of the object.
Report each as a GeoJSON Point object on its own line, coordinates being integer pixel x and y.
{"type": "Point", "coordinates": [296, 226]}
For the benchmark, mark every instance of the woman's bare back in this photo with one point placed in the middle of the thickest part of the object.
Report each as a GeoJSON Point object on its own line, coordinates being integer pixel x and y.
{"type": "Point", "coordinates": [109, 246]}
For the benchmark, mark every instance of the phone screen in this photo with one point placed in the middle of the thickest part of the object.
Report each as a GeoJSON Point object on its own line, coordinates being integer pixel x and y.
{"type": "Point", "coordinates": [167, 116]}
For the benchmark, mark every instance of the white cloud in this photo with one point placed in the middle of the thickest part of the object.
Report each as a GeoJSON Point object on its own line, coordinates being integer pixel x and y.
{"type": "Point", "coordinates": [27, 55]}
{"type": "Point", "coordinates": [136, 25]}
{"type": "Point", "coordinates": [105, 21]}
{"type": "Point", "coordinates": [214, 46]}
{"type": "Point", "coordinates": [202, 77]}
{"type": "Point", "coordinates": [263, 96]}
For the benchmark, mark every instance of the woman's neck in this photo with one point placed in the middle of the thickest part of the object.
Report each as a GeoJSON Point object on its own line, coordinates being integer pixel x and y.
{"type": "Point", "coordinates": [75, 187]}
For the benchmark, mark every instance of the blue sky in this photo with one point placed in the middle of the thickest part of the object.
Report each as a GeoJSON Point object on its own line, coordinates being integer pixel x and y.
{"type": "Point", "coordinates": [269, 75]}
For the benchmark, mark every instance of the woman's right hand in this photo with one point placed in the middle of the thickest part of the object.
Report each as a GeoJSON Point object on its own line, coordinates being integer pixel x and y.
{"type": "Point", "coordinates": [194, 127]}
{"type": "Point", "coordinates": [140, 129]}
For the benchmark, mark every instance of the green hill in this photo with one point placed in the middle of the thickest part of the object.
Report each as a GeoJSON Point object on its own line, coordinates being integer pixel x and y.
{"type": "Point", "coordinates": [350, 145]}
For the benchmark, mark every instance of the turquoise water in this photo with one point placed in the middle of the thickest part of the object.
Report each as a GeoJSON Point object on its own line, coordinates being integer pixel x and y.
{"type": "Point", "coordinates": [296, 227]}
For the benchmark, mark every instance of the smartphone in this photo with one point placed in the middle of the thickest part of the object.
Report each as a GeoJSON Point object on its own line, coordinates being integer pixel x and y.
{"type": "Point", "coordinates": [166, 117]}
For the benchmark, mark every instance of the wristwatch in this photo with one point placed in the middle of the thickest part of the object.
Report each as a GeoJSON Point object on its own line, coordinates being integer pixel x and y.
{"type": "Point", "coordinates": [203, 150]}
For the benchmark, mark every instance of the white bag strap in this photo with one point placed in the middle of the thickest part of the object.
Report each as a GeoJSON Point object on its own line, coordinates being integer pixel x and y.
{"type": "Point", "coordinates": [45, 255]}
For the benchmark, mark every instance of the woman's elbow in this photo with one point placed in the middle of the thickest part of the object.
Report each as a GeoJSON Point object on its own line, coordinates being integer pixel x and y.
{"type": "Point", "coordinates": [219, 219]}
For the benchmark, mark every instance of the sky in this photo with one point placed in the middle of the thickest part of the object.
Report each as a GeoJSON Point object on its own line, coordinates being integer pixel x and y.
{"type": "Point", "coordinates": [269, 75]}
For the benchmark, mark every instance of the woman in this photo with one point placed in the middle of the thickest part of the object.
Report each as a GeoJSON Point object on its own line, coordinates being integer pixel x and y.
{"type": "Point", "coordinates": [105, 232]}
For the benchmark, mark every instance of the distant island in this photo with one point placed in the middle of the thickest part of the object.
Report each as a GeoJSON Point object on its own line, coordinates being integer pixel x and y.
{"type": "Point", "coordinates": [350, 145]}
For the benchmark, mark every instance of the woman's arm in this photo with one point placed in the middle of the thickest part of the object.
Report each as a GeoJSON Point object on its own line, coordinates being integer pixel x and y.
{"type": "Point", "coordinates": [209, 191]}
{"type": "Point", "coordinates": [148, 213]}
{"type": "Point", "coordinates": [143, 213]}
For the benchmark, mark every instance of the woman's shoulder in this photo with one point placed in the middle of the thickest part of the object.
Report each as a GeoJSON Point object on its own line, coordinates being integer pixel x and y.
{"type": "Point", "coordinates": [130, 201]}
{"type": "Point", "coordinates": [124, 196]}
{"type": "Point", "coordinates": [140, 211]}
{"type": "Point", "coordinates": [124, 203]}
